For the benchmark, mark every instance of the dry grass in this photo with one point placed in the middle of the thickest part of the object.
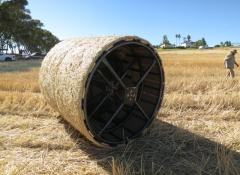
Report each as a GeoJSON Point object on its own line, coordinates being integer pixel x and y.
{"type": "Point", "coordinates": [196, 132]}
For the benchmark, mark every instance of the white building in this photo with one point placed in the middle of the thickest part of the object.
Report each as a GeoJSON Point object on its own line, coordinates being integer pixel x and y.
{"type": "Point", "coordinates": [236, 44]}
{"type": "Point", "coordinates": [203, 47]}
{"type": "Point", "coordinates": [187, 44]}
{"type": "Point", "coordinates": [164, 46]}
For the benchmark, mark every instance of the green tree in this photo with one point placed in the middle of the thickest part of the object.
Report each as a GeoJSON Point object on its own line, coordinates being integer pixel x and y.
{"type": "Point", "coordinates": [176, 36]}
{"type": "Point", "coordinates": [228, 43]}
{"type": "Point", "coordinates": [19, 30]}
{"type": "Point", "coordinates": [204, 43]}
{"type": "Point", "coordinates": [189, 38]}
{"type": "Point", "coordinates": [179, 37]}
{"type": "Point", "coordinates": [201, 42]}
{"type": "Point", "coordinates": [165, 40]}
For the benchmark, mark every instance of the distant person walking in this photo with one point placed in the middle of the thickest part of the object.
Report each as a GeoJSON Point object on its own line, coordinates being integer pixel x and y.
{"type": "Point", "coordinates": [229, 63]}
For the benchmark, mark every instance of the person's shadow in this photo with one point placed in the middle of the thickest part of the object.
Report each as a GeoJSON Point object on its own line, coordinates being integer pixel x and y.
{"type": "Point", "coordinates": [164, 149]}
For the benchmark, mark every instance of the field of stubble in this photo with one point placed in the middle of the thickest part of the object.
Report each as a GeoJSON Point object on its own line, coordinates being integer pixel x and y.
{"type": "Point", "coordinates": [196, 132]}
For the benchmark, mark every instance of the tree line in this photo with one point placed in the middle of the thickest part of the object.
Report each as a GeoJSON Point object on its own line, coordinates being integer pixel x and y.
{"type": "Point", "coordinates": [19, 32]}
{"type": "Point", "coordinates": [187, 40]}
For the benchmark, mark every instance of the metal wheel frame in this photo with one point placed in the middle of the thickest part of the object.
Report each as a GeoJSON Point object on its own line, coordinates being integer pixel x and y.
{"type": "Point", "coordinates": [103, 59]}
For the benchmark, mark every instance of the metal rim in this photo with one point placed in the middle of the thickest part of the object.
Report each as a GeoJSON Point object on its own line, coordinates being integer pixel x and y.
{"type": "Point", "coordinates": [129, 97]}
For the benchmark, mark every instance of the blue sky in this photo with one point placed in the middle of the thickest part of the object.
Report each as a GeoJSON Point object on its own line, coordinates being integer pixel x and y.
{"type": "Point", "coordinates": [216, 20]}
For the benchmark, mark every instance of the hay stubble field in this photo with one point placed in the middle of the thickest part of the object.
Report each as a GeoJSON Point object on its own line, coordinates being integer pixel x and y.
{"type": "Point", "coordinates": [196, 132]}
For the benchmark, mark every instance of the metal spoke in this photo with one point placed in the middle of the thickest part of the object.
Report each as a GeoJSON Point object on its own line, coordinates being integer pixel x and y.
{"type": "Point", "coordinates": [108, 82]}
{"type": "Point", "coordinates": [111, 119]}
{"type": "Point", "coordinates": [99, 105]}
{"type": "Point", "coordinates": [113, 72]}
{"type": "Point", "coordinates": [123, 121]}
{"type": "Point", "coordinates": [142, 111]}
{"type": "Point", "coordinates": [127, 69]}
{"type": "Point", "coordinates": [146, 73]}
{"type": "Point", "coordinates": [104, 78]}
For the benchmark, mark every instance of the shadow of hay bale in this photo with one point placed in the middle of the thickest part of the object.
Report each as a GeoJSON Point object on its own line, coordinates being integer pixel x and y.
{"type": "Point", "coordinates": [163, 149]}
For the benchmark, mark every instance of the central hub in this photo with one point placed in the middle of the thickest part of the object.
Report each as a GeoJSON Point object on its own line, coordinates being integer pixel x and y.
{"type": "Point", "coordinates": [130, 95]}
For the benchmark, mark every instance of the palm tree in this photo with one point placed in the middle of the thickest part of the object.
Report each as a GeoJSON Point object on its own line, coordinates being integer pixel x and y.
{"type": "Point", "coordinates": [165, 40]}
{"type": "Point", "coordinates": [179, 37]}
{"type": "Point", "coordinates": [184, 39]}
{"type": "Point", "coordinates": [176, 39]}
{"type": "Point", "coordinates": [188, 38]}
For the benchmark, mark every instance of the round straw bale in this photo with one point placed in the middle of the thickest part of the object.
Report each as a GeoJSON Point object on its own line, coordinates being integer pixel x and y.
{"type": "Point", "coordinates": [64, 80]}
